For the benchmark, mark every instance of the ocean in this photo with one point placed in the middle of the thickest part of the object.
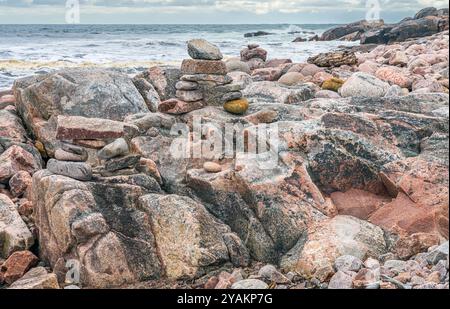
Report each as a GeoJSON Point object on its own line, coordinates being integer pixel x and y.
{"type": "Point", "coordinates": [33, 49]}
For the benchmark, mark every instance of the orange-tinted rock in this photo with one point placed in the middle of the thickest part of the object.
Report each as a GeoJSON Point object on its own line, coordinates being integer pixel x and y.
{"type": "Point", "coordinates": [416, 243]}
{"type": "Point", "coordinates": [358, 203]}
{"type": "Point", "coordinates": [17, 265]}
{"type": "Point", "coordinates": [422, 203]}
{"type": "Point", "coordinates": [394, 76]}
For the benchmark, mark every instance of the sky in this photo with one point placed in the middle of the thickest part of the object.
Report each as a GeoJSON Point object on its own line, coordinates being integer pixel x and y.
{"type": "Point", "coordinates": [208, 11]}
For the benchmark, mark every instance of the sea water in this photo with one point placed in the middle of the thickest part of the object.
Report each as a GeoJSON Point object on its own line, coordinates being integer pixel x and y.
{"type": "Point", "coordinates": [34, 49]}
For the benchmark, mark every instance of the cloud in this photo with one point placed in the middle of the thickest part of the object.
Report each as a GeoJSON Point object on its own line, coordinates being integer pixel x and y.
{"type": "Point", "coordinates": [187, 9]}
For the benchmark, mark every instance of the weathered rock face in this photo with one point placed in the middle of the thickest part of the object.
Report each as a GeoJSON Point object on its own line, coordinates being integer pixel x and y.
{"type": "Point", "coordinates": [14, 234]}
{"type": "Point", "coordinates": [315, 254]}
{"type": "Point", "coordinates": [69, 92]}
{"type": "Point", "coordinates": [188, 239]}
{"type": "Point", "coordinates": [98, 225]}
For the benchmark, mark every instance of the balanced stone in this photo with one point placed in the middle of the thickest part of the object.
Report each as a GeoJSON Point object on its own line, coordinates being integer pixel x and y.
{"type": "Point", "coordinates": [213, 78]}
{"type": "Point", "coordinates": [121, 163]}
{"type": "Point", "coordinates": [74, 149]}
{"type": "Point", "coordinates": [63, 155]}
{"type": "Point", "coordinates": [189, 96]}
{"type": "Point", "coordinates": [117, 148]}
{"type": "Point", "coordinates": [75, 127]}
{"type": "Point", "coordinates": [202, 49]}
{"type": "Point", "coordinates": [191, 66]}
{"type": "Point", "coordinates": [76, 170]}
{"type": "Point", "coordinates": [232, 96]}
{"type": "Point", "coordinates": [184, 85]}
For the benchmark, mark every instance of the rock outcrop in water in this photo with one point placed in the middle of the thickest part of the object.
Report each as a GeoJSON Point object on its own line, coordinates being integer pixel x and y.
{"type": "Point", "coordinates": [357, 197]}
{"type": "Point", "coordinates": [426, 22]}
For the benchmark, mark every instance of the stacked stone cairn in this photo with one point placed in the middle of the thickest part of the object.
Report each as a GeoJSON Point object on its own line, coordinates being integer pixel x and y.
{"type": "Point", "coordinates": [204, 82]}
{"type": "Point", "coordinates": [88, 146]}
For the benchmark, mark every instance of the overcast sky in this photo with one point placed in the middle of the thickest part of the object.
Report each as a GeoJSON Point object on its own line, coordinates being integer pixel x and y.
{"type": "Point", "coordinates": [208, 11]}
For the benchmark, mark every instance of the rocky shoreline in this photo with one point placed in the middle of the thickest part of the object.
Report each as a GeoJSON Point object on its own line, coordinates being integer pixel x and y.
{"type": "Point", "coordinates": [90, 196]}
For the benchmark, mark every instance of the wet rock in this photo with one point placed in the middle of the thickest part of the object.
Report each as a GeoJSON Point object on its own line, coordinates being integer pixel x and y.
{"type": "Point", "coordinates": [36, 279]}
{"type": "Point", "coordinates": [15, 234]}
{"type": "Point", "coordinates": [203, 50]}
{"type": "Point", "coordinates": [76, 170]}
{"type": "Point", "coordinates": [17, 265]}
{"type": "Point", "coordinates": [363, 85]}
{"type": "Point", "coordinates": [256, 34]}
{"type": "Point", "coordinates": [340, 31]}
{"type": "Point", "coordinates": [250, 284]}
